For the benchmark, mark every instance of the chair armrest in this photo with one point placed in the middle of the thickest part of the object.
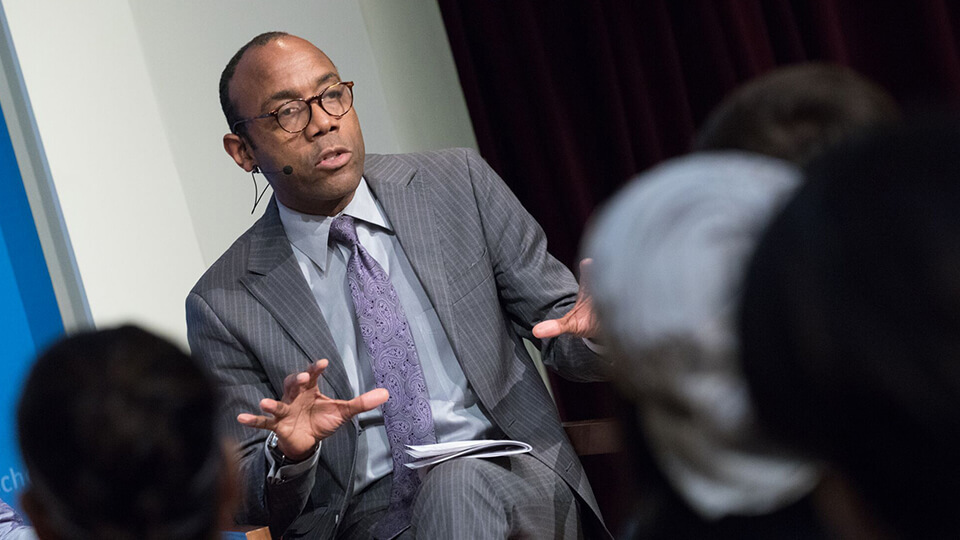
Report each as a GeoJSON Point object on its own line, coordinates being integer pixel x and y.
{"type": "Point", "coordinates": [246, 532]}
{"type": "Point", "coordinates": [596, 436]}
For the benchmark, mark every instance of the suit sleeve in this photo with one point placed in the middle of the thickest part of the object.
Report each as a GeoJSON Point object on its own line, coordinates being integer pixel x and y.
{"type": "Point", "coordinates": [532, 284]}
{"type": "Point", "coordinates": [243, 383]}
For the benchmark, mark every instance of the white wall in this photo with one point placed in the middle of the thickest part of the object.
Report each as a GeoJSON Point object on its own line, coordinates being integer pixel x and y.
{"type": "Point", "coordinates": [125, 97]}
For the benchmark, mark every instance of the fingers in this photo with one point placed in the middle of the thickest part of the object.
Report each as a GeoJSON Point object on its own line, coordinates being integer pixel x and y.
{"type": "Point", "coordinates": [568, 324]}
{"type": "Point", "coordinates": [550, 329]}
{"type": "Point", "coordinates": [365, 402]}
{"type": "Point", "coordinates": [585, 273]}
{"type": "Point", "coordinates": [295, 383]}
{"type": "Point", "coordinates": [278, 409]}
{"type": "Point", "coordinates": [314, 371]}
{"type": "Point", "coordinates": [256, 421]}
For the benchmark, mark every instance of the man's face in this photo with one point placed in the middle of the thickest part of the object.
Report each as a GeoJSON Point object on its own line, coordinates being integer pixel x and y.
{"type": "Point", "coordinates": [326, 157]}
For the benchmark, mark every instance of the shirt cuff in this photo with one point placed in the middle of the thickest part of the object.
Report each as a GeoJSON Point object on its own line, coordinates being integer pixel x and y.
{"type": "Point", "coordinates": [279, 475]}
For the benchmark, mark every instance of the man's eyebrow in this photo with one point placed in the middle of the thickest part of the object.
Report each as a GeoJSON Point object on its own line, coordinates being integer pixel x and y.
{"type": "Point", "coordinates": [284, 95]}
{"type": "Point", "coordinates": [287, 95]}
{"type": "Point", "coordinates": [327, 77]}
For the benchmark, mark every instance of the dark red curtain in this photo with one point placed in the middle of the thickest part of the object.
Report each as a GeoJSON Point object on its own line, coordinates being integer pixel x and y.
{"type": "Point", "coordinates": [570, 99]}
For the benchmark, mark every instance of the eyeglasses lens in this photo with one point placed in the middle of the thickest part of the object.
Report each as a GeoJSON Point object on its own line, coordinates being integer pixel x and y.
{"type": "Point", "coordinates": [336, 101]}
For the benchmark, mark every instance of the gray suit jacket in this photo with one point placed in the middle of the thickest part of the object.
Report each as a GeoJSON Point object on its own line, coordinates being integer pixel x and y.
{"type": "Point", "coordinates": [482, 260]}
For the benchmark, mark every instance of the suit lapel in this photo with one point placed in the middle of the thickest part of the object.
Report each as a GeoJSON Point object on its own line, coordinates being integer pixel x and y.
{"type": "Point", "coordinates": [406, 201]}
{"type": "Point", "coordinates": [275, 280]}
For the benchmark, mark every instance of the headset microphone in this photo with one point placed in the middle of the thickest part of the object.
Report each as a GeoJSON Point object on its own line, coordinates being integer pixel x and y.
{"type": "Point", "coordinates": [286, 170]}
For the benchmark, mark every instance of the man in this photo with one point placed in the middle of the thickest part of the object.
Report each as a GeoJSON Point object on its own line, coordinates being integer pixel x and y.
{"type": "Point", "coordinates": [431, 255]}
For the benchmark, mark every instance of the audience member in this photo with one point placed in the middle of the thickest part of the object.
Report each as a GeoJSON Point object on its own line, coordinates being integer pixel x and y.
{"type": "Point", "coordinates": [668, 254]}
{"type": "Point", "coordinates": [850, 328]}
{"type": "Point", "coordinates": [794, 112]}
{"type": "Point", "coordinates": [116, 429]}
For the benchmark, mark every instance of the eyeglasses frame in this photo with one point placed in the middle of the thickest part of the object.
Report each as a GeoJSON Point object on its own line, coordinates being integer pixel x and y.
{"type": "Point", "coordinates": [309, 101]}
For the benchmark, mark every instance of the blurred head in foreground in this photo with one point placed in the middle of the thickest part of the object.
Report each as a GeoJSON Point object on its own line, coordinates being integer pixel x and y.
{"type": "Point", "coordinates": [851, 327]}
{"type": "Point", "coordinates": [668, 255]}
{"type": "Point", "coordinates": [795, 112]}
{"type": "Point", "coordinates": [116, 428]}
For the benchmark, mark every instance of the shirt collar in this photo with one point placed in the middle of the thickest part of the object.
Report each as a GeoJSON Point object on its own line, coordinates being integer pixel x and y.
{"type": "Point", "coordinates": [309, 233]}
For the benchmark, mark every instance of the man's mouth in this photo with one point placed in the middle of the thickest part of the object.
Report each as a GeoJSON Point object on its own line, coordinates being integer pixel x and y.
{"type": "Point", "coordinates": [333, 159]}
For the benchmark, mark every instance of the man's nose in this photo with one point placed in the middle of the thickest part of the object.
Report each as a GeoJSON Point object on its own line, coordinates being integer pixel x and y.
{"type": "Point", "coordinates": [320, 121]}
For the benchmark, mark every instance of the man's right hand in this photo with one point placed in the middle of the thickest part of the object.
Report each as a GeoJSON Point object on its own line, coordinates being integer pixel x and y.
{"type": "Point", "coordinates": [304, 416]}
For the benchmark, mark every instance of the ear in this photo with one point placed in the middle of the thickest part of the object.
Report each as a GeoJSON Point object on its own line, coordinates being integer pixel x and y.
{"type": "Point", "coordinates": [38, 515]}
{"type": "Point", "coordinates": [239, 150]}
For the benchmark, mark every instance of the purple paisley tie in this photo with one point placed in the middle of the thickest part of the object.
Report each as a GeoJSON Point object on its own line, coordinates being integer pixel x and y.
{"type": "Point", "coordinates": [396, 366]}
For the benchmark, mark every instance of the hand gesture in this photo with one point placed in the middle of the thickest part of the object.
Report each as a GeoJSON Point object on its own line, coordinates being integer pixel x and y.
{"type": "Point", "coordinates": [579, 321]}
{"type": "Point", "coordinates": [304, 416]}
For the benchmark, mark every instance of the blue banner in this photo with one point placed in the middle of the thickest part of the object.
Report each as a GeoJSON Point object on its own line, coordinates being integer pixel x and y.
{"type": "Point", "coordinates": [29, 317]}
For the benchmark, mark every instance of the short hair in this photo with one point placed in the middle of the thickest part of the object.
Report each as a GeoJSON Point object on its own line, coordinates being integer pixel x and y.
{"type": "Point", "coordinates": [117, 430]}
{"type": "Point", "coordinates": [849, 322]}
{"type": "Point", "coordinates": [226, 102]}
{"type": "Point", "coordinates": [794, 112]}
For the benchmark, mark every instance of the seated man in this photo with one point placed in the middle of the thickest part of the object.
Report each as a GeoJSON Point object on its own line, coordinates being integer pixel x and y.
{"type": "Point", "coordinates": [117, 431]}
{"type": "Point", "coordinates": [409, 277]}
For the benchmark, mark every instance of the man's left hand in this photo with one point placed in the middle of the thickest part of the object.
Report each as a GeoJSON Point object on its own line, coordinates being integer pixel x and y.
{"type": "Point", "coordinates": [579, 321]}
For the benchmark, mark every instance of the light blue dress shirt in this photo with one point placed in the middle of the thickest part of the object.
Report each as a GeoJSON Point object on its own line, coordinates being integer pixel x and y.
{"type": "Point", "coordinates": [457, 413]}
{"type": "Point", "coordinates": [11, 525]}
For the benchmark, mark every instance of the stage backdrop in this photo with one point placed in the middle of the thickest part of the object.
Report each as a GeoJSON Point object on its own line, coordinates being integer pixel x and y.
{"type": "Point", "coordinates": [29, 315]}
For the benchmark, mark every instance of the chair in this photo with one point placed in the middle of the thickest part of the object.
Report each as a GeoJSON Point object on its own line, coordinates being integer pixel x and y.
{"type": "Point", "coordinates": [588, 437]}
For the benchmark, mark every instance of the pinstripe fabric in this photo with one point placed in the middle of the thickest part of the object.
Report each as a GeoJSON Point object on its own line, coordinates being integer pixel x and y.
{"type": "Point", "coordinates": [482, 261]}
{"type": "Point", "coordinates": [365, 511]}
{"type": "Point", "coordinates": [515, 497]}
{"type": "Point", "coordinates": [507, 497]}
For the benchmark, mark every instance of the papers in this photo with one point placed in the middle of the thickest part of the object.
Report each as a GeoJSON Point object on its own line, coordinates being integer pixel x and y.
{"type": "Point", "coordinates": [427, 455]}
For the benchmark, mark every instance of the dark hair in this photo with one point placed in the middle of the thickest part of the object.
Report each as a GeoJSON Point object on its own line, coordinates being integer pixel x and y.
{"type": "Point", "coordinates": [226, 103]}
{"type": "Point", "coordinates": [795, 112]}
{"type": "Point", "coordinates": [850, 322]}
{"type": "Point", "coordinates": [116, 428]}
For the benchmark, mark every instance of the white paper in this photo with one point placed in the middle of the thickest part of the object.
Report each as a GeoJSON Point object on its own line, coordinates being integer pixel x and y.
{"type": "Point", "coordinates": [427, 455]}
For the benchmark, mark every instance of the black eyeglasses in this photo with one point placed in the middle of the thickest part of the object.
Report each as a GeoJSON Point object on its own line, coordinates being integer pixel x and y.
{"type": "Point", "coordinates": [294, 115]}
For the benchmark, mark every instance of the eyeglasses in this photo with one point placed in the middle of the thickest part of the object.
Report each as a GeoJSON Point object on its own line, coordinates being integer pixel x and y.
{"type": "Point", "coordinates": [294, 115]}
